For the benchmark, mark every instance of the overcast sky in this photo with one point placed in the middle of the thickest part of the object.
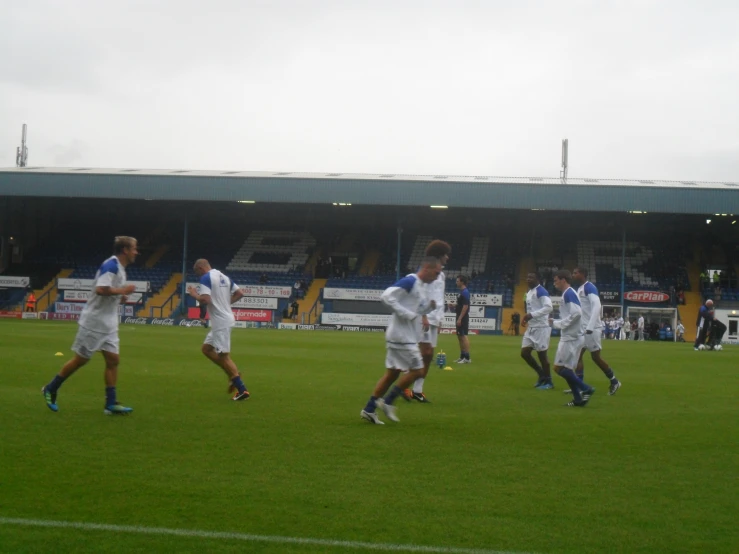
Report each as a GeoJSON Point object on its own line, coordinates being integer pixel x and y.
{"type": "Point", "coordinates": [642, 89]}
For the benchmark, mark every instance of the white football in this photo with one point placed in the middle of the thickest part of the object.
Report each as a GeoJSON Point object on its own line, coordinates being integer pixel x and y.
{"type": "Point", "coordinates": [718, 347]}
{"type": "Point", "coordinates": [701, 347]}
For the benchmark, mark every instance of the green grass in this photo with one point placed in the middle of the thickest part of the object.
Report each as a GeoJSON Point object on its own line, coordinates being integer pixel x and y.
{"type": "Point", "coordinates": [491, 464]}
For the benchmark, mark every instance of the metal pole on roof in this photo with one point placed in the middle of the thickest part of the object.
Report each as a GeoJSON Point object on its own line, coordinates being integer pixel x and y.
{"type": "Point", "coordinates": [183, 303]}
{"type": "Point", "coordinates": [565, 159]}
{"type": "Point", "coordinates": [21, 153]}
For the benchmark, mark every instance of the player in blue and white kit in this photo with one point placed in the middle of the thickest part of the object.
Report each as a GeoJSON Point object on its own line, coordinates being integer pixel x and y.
{"type": "Point", "coordinates": [407, 299]}
{"type": "Point", "coordinates": [431, 323]}
{"type": "Point", "coordinates": [592, 327]}
{"type": "Point", "coordinates": [98, 326]}
{"type": "Point", "coordinates": [218, 292]}
{"type": "Point", "coordinates": [571, 340]}
{"type": "Point", "coordinates": [538, 332]}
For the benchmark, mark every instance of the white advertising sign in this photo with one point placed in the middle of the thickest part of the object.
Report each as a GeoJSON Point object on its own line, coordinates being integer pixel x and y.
{"type": "Point", "coordinates": [477, 299]}
{"type": "Point", "coordinates": [352, 294]}
{"type": "Point", "coordinates": [265, 291]}
{"type": "Point", "coordinates": [14, 282]}
{"type": "Point", "coordinates": [256, 302]}
{"type": "Point", "coordinates": [86, 284]}
{"type": "Point", "coordinates": [381, 320]}
{"type": "Point", "coordinates": [84, 296]}
{"type": "Point", "coordinates": [374, 295]}
{"type": "Point", "coordinates": [77, 307]}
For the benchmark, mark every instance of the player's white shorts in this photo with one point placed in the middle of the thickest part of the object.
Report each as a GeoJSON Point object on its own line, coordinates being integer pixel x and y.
{"type": "Point", "coordinates": [592, 341]}
{"type": "Point", "coordinates": [537, 338]}
{"type": "Point", "coordinates": [220, 339]}
{"type": "Point", "coordinates": [431, 336]}
{"type": "Point", "coordinates": [568, 353]}
{"type": "Point", "coordinates": [87, 342]}
{"type": "Point", "coordinates": [404, 360]}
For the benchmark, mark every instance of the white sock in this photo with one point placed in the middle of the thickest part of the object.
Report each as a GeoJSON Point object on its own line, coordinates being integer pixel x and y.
{"type": "Point", "coordinates": [418, 385]}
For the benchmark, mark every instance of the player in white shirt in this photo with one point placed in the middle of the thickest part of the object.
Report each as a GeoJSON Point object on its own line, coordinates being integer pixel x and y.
{"type": "Point", "coordinates": [592, 327]}
{"type": "Point", "coordinates": [408, 301]}
{"type": "Point", "coordinates": [538, 332]}
{"type": "Point", "coordinates": [98, 326]}
{"type": "Point", "coordinates": [218, 292]}
{"type": "Point", "coordinates": [640, 327]}
{"type": "Point", "coordinates": [571, 340]}
{"type": "Point", "coordinates": [620, 328]}
{"type": "Point", "coordinates": [431, 323]}
{"type": "Point", "coordinates": [680, 332]}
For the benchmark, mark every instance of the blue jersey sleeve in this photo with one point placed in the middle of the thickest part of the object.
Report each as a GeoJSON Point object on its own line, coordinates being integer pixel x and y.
{"type": "Point", "coordinates": [571, 296]}
{"type": "Point", "coordinates": [541, 291]}
{"type": "Point", "coordinates": [406, 283]}
{"type": "Point", "coordinates": [590, 289]}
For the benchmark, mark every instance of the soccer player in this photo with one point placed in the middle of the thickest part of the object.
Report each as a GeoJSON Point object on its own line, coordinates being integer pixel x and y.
{"type": "Point", "coordinates": [680, 332]}
{"type": "Point", "coordinates": [98, 326]}
{"type": "Point", "coordinates": [592, 327]}
{"type": "Point", "coordinates": [705, 318]}
{"type": "Point", "coordinates": [218, 292]}
{"type": "Point", "coordinates": [640, 327]}
{"type": "Point", "coordinates": [431, 323]}
{"type": "Point", "coordinates": [538, 332]}
{"type": "Point", "coordinates": [571, 340]}
{"type": "Point", "coordinates": [407, 299]}
{"type": "Point", "coordinates": [462, 313]}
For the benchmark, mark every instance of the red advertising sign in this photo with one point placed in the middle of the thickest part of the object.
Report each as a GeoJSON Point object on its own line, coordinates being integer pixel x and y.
{"type": "Point", "coordinates": [64, 316]}
{"type": "Point", "coordinates": [646, 296]}
{"type": "Point", "coordinates": [253, 315]}
{"type": "Point", "coordinates": [239, 314]}
{"type": "Point", "coordinates": [9, 315]}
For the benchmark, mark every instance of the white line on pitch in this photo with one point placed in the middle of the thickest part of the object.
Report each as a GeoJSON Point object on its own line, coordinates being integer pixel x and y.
{"type": "Point", "coordinates": [195, 533]}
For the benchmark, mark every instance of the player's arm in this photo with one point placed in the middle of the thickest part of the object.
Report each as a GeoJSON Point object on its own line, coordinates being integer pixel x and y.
{"type": "Point", "coordinates": [463, 311]}
{"type": "Point", "coordinates": [546, 309]}
{"type": "Point", "coordinates": [594, 314]}
{"type": "Point", "coordinates": [572, 319]}
{"type": "Point", "coordinates": [391, 298]}
{"type": "Point", "coordinates": [201, 293]}
{"type": "Point", "coordinates": [114, 291]}
{"type": "Point", "coordinates": [236, 293]}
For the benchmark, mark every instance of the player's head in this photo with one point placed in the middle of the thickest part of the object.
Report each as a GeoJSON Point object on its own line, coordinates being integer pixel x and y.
{"type": "Point", "coordinates": [533, 279]}
{"type": "Point", "coordinates": [461, 281]}
{"type": "Point", "coordinates": [709, 303]}
{"type": "Point", "coordinates": [430, 269]}
{"type": "Point", "coordinates": [439, 249]}
{"type": "Point", "coordinates": [562, 280]}
{"type": "Point", "coordinates": [579, 275]}
{"type": "Point", "coordinates": [201, 267]}
{"type": "Point", "coordinates": [126, 248]}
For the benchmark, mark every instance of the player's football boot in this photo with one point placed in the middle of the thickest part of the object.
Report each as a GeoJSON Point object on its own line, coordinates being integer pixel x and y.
{"type": "Point", "coordinates": [372, 417]}
{"type": "Point", "coordinates": [389, 410]}
{"type": "Point", "coordinates": [407, 395]}
{"type": "Point", "coordinates": [614, 387]}
{"type": "Point", "coordinates": [539, 382]}
{"type": "Point", "coordinates": [567, 391]}
{"type": "Point", "coordinates": [117, 409]}
{"type": "Point", "coordinates": [574, 404]}
{"type": "Point", "coordinates": [465, 361]}
{"type": "Point", "coordinates": [241, 395]}
{"type": "Point", "coordinates": [459, 361]}
{"type": "Point", "coordinates": [421, 397]}
{"type": "Point", "coordinates": [50, 398]}
{"type": "Point", "coordinates": [546, 385]}
{"type": "Point", "coordinates": [587, 394]}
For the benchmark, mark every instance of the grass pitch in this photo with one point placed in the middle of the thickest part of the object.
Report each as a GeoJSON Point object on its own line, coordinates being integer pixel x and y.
{"type": "Point", "coordinates": [492, 464]}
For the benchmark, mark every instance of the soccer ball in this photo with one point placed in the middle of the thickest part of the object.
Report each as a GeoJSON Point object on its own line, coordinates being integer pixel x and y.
{"type": "Point", "coordinates": [718, 347]}
{"type": "Point", "coordinates": [701, 347]}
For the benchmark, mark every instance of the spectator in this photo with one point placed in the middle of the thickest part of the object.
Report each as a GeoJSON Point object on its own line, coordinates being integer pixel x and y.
{"type": "Point", "coordinates": [263, 279]}
{"type": "Point", "coordinates": [296, 288]}
{"type": "Point", "coordinates": [31, 303]}
{"type": "Point", "coordinates": [294, 309]}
